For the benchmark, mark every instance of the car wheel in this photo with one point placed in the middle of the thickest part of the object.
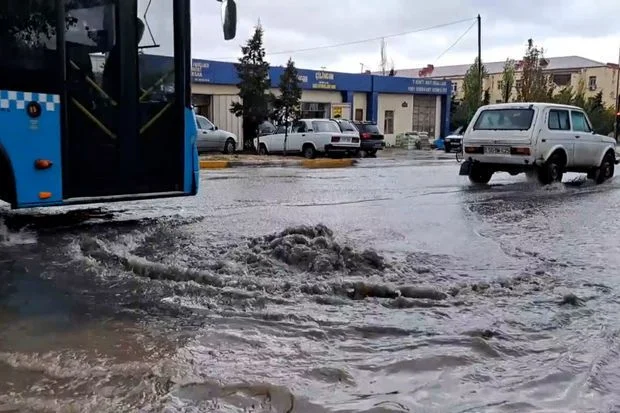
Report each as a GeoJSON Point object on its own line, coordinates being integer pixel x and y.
{"type": "Point", "coordinates": [480, 174]}
{"type": "Point", "coordinates": [309, 152]}
{"type": "Point", "coordinates": [371, 152]}
{"type": "Point", "coordinates": [552, 171]}
{"type": "Point", "coordinates": [262, 149]}
{"type": "Point", "coordinates": [606, 170]}
{"type": "Point", "coordinates": [447, 147]}
{"type": "Point", "coordinates": [229, 146]}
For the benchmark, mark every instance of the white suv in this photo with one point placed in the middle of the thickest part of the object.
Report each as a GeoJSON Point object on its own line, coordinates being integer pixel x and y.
{"type": "Point", "coordinates": [541, 139]}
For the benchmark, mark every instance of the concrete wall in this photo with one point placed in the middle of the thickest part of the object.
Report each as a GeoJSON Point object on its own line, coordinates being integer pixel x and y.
{"type": "Point", "coordinates": [221, 116]}
{"type": "Point", "coordinates": [360, 102]}
{"type": "Point", "coordinates": [320, 96]}
{"type": "Point", "coordinates": [403, 120]}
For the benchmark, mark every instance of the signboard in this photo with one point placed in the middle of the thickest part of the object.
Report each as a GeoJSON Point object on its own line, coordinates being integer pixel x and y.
{"type": "Point", "coordinates": [324, 80]}
{"type": "Point", "coordinates": [428, 86]}
{"type": "Point", "coordinates": [199, 72]}
{"type": "Point", "coordinates": [341, 110]}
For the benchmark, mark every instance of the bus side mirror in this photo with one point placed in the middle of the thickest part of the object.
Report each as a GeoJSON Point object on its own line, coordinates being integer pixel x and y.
{"type": "Point", "coordinates": [229, 18]}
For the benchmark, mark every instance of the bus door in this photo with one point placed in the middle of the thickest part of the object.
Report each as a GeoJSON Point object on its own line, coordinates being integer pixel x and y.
{"type": "Point", "coordinates": [92, 163]}
{"type": "Point", "coordinates": [124, 123]}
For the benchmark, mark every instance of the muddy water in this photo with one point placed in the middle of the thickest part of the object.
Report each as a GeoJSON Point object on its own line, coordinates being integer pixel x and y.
{"type": "Point", "coordinates": [384, 288]}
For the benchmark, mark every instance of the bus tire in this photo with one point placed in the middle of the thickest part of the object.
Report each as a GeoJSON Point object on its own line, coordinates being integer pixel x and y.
{"type": "Point", "coordinates": [7, 180]}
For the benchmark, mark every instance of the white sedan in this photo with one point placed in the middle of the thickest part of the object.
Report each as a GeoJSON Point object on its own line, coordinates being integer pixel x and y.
{"type": "Point", "coordinates": [213, 139]}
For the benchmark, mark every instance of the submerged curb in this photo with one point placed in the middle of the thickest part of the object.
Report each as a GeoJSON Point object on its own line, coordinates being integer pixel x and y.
{"type": "Point", "coordinates": [307, 163]}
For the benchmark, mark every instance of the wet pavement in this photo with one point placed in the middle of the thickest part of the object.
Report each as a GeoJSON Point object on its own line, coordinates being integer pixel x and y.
{"type": "Point", "coordinates": [392, 286]}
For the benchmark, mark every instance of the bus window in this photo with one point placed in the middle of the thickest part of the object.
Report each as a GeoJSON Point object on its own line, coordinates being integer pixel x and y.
{"type": "Point", "coordinates": [28, 56]}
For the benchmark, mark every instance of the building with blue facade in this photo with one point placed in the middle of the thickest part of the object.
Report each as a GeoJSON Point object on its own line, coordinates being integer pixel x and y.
{"type": "Point", "coordinates": [397, 104]}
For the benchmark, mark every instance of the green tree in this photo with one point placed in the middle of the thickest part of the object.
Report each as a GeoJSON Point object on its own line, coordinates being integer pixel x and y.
{"type": "Point", "coordinates": [254, 85]}
{"type": "Point", "coordinates": [472, 90]}
{"type": "Point", "coordinates": [566, 96]}
{"type": "Point", "coordinates": [487, 97]}
{"type": "Point", "coordinates": [536, 85]}
{"type": "Point", "coordinates": [508, 79]}
{"type": "Point", "coordinates": [602, 117]}
{"type": "Point", "coordinates": [287, 106]}
{"type": "Point", "coordinates": [580, 94]}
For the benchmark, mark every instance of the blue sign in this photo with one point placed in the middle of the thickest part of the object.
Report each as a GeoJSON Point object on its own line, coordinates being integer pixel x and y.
{"type": "Point", "coordinates": [225, 73]}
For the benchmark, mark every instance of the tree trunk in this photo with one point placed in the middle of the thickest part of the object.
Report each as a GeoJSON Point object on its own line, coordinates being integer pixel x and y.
{"type": "Point", "coordinates": [285, 129]}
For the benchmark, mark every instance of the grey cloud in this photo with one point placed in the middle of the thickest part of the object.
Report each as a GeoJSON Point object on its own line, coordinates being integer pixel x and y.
{"type": "Point", "coordinates": [302, 24]}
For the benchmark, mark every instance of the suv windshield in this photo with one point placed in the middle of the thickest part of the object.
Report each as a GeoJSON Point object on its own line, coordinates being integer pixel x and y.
{"type": "Point", "coordinates": [325, 126]}
{"type": "Point", "coordinates": [368, 127]}
{"type": "Point", "coordinates": [504, 119]}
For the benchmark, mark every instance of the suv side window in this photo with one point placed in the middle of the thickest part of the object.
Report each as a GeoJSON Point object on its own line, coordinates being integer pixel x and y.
{"type": "Point", "coordinates": [299, 127]}
{"type": "Point", "coordinates": [558, 120]}
{"type": "Point", "coordinates": [580, 122]}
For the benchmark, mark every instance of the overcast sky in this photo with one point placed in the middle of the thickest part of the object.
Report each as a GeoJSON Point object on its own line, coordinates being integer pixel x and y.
{"type": "Point", "coordinates": [562, 27]}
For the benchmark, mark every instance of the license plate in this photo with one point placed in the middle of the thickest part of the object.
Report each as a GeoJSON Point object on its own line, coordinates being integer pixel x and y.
{"type": "Point", "coordinates": [378, 146]}
{"type": "Point", "coordinates": [345, 139]}
{"type": "Point", "coordinates": [497, 150]}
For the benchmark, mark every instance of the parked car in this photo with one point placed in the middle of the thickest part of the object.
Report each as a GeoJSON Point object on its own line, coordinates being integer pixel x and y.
{"type": "Point", "coordinates": [310, 137]}
{"type": "Point", "coordinates": [266, 128]}
{"type": "Point", "coordinates": [371, 138]}
{"type": "Point", "coordinates": [454, 141]}
{"type": "Point", "coordinates": [213, 139]}
{"type": "Point", "coordinates": [346, 126]}
{"type": "Point", "coordinates": [541, 139]}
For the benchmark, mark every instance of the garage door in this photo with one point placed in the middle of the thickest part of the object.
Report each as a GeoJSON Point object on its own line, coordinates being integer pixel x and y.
{"type": "Point", "coordinates": [424, 110]}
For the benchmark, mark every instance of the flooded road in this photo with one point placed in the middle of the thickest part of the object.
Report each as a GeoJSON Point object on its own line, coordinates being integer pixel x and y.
{"type": "Point", "coordinates": [389, 287]}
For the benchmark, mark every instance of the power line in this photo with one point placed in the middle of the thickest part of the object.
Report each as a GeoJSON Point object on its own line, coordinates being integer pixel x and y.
{"type": "Point", "coordinates": [457, 41]}
{"type": "Point", "coordinates": [309, 49]}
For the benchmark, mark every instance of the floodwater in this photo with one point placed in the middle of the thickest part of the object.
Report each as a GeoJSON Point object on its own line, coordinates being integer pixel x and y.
{"type": "Point", "coordinates": [393, 286]}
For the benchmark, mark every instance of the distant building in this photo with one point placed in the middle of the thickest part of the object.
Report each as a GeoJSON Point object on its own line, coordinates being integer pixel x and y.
{"type": "Point", "coordinates": [564, 71]}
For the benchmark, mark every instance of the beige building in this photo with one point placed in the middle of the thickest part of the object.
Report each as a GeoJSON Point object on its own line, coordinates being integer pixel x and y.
{"type": "Point", "coordinates": [564, 71]}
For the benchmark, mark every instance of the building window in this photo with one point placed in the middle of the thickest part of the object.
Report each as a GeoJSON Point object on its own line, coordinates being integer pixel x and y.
{"type": "Point", "coordinates": [359, 114]}
{"type": "Point", "coordinates": [500, 85]}
{"type": "Point", "coordinates": [388, 122]}
{"type": "Point", "coordinates": [518, 84]}
{"type": "Point", "coordinates": [29, 61]}
{"type": "Point", "coordinates": [562, 80]}
{"type": "Point", "coordinates": [455, 88]}
{"type": "Point", "coordinates": [592, 83]}
{"type": "Point", "coordinates": [315, 110]}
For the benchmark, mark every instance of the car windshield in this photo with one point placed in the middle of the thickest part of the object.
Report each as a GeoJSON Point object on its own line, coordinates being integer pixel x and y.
{"type": "Point", "coordinates": [325, 126]}
{"type": "Point", "coordinates": [346, 126]}
{"type": "Point", "coordinates": [369, 127]}
{"type": "Point", "coordinates": [504, 119]}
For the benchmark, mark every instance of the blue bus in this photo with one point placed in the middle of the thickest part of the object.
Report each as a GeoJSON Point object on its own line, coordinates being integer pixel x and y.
{"type": "Point", "coordinates": [87, 111]}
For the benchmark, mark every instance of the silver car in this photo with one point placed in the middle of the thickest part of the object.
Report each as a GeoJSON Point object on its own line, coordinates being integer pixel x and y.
{"type": "Point", "coordinates": [213, 139]}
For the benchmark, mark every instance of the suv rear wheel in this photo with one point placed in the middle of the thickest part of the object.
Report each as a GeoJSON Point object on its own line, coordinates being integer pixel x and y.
{"type": "Point", "coordinates": [480, 174]}
{"type": "Point", "coordinates": [552, 170]}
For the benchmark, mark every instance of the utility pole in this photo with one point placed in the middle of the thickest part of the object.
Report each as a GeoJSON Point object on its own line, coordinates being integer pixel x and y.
{"type": "Point", "coordinates": [617, 127]}
{"type": "Point", "coordinates": [480, 58]}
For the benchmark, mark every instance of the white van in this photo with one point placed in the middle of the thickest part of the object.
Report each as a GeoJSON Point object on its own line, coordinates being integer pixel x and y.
{"type": "Point", "coordinates": [541, 139]}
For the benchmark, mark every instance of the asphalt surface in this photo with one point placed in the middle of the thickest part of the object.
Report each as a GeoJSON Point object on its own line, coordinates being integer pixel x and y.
{"type": "Point", "coordinates": [390, 286]}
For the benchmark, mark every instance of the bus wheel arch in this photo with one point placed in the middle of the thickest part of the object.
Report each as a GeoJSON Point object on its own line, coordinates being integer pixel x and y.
{"type": "Point", "coordinates": [7, 179]}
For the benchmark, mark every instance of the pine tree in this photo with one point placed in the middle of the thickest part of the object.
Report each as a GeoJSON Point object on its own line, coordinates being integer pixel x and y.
{"type": "Point", "coordinates": [254, 85]}
{"type": "Point", "coordinates": [287, 107]}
